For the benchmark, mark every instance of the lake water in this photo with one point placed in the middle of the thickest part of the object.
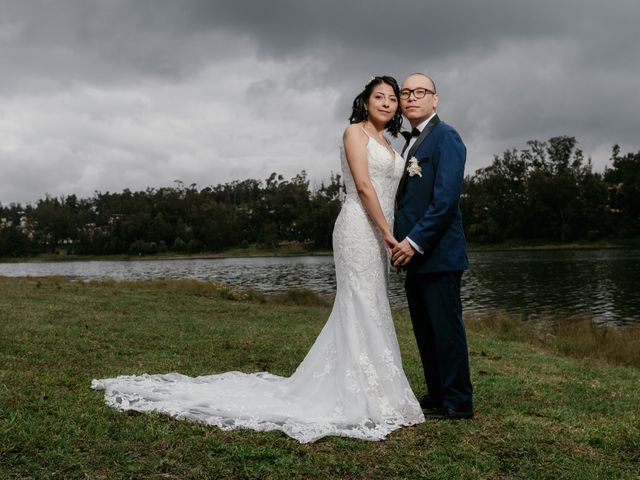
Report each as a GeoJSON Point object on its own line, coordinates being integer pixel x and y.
{"type": "Point", "coordinates": [604, 284]}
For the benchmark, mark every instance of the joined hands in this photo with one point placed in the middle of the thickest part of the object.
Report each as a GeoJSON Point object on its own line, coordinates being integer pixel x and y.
{"type": "Point", "coordinates": [400, 253]}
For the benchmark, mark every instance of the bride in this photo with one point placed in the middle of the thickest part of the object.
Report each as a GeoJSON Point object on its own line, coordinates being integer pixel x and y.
{"type": "Point", "coordinates": [351, 383]}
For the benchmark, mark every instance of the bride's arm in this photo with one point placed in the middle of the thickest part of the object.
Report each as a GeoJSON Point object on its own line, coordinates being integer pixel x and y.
{"type": "Point", "coordinates": [355, 148]}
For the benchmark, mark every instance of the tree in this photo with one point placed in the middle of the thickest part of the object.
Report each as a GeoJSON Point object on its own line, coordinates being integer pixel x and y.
{"type": "Point", "coordinates": [623, 180]}
{"type": "Point", "coordinates": [13, 243]}
{"type": "Point", "coordinates": [53, 220]}
{"type": "Point", "coordinates": [544, 192]}
{"type": "Point", "coordinates": [323, 210]}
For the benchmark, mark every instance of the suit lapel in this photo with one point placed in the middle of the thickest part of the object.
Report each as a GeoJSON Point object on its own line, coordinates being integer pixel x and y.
{"type": "Point", "coordinates": [424, 134]}
{"type": "Point", "coordinates": [414, 148]}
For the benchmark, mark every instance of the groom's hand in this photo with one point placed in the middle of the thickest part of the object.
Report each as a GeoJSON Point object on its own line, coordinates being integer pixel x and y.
{"type": "Point", "coordinates": [402, 253]}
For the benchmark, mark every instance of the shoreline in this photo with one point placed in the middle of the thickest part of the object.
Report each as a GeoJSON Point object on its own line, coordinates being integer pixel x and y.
{"type": "Point", "coordinates": [234, 253]}
{"type": "Point", "coordinates": [501, 247]}
{"type": "Point", "coordinates": [295, 252]}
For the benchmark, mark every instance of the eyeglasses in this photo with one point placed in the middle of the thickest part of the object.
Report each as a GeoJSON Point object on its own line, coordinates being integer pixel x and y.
{"type": "Point", "coordinates": [417, 92]}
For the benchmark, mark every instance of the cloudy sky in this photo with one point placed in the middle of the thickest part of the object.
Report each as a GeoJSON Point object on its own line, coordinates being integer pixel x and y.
{"type": "Point", "coordinates": [103, 95]}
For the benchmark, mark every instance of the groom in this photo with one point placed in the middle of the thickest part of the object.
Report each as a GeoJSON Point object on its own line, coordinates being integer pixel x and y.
{"type": "Point", "coordinates": [433, 249]}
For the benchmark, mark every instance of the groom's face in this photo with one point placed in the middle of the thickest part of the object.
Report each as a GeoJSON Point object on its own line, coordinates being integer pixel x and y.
{"type": "Point", "coordinates": [416, 110]}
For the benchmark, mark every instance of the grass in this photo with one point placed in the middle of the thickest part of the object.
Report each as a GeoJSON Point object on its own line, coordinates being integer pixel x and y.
{"type": "Point", "coordinates": [575, 336]}
{"type": "Point", "coordinates": [543, 411]}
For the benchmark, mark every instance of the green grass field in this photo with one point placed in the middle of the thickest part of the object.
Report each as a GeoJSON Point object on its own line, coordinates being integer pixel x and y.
{"type": "Point", "coordinates": [545, 410]}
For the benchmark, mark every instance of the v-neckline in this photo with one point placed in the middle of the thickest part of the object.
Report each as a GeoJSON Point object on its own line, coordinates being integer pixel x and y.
{"type": "Point", "coordinates": [391, 151]}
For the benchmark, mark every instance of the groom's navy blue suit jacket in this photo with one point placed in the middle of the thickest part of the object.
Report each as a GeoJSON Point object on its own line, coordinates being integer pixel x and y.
{"type": "Point", "coordinates": [428, 206]}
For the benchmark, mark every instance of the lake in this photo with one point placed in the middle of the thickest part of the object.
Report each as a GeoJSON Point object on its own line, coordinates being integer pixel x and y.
{"type": "Point", "coordinates": [604, 284]}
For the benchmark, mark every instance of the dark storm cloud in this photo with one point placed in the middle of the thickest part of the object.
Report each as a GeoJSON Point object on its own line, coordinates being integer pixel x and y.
{"type": "Point", "coordinates": [172, 38]}
{"type": "Point", "coordinates": [160, 85]}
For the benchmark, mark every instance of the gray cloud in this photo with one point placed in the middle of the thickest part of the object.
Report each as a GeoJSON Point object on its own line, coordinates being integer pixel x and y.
{"type": "Point", "coordinates": [105, 95]}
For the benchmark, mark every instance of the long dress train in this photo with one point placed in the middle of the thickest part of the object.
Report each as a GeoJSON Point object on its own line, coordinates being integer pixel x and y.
{"type": "Point", "coordinates": [351, 382]}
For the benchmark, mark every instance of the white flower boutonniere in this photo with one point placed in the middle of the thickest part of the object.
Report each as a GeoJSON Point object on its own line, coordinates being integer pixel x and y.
{"type": "Point", "coordinates": [414, 168]}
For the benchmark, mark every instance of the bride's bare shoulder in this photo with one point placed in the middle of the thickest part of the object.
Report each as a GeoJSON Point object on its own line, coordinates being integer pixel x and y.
{"type": "Point", "coordinates": [354, 131]}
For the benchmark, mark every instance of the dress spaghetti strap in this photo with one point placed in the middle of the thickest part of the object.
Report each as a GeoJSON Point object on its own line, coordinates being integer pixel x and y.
{"type": "Point", "coordinates": [368, 134]}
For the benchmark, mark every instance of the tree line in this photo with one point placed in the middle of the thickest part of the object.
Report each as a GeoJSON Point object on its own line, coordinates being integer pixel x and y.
{"type": "Point", "coordinates": [545, 192]}
{"type": "Point", "coordinates": [179, 218]}
{"type": "Point", "coordinates": [549, 192]}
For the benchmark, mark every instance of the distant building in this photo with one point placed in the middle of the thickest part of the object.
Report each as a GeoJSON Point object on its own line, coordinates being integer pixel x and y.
{"type": "Point", "coordinates": [91, 229]}
{"type": "Point", "coordinates": [26, 227]}
{"type": "Point", "coordinates": [614, 189]}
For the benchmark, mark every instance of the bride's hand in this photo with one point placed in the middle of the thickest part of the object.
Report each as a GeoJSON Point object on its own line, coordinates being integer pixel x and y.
{"type": "Point", "coordinates": [402, 253]}
{"type": "Point", "coordinates": [390, 242]}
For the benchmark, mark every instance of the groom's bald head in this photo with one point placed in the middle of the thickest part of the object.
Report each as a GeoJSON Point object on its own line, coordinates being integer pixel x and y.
{"type": "Point", "coordinates": [423, 75]}
{"type": "Point", "coordinates": [418, 98]}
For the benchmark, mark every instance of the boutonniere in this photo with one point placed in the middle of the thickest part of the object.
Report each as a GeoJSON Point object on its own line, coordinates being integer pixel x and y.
{"type": "Point", "coordinates": [414, 168]}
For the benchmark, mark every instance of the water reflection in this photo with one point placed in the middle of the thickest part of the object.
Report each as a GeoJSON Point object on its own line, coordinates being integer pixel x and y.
{"type": "Point", "coordinates": [603, 283]}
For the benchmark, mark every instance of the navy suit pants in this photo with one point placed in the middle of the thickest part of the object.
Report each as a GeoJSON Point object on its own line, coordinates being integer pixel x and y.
{"type": "Point", "coordinates": [436, 314]}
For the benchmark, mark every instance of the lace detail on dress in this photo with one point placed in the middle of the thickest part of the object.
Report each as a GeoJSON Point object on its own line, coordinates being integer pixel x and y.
{"type": "Point", "coordinates": [351, 382]}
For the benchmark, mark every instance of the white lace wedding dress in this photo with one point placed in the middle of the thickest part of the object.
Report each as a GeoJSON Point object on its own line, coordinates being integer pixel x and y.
{"type": "Point", "coordinates": [351, 383]}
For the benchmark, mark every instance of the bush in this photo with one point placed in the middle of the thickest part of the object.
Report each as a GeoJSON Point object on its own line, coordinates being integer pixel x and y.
{"type": "Point", "coordinates": [179, 245]}
{"type": "Point", "coordinates": [140, 247]}
{"type": "Point", "coordinates": [195, 246]}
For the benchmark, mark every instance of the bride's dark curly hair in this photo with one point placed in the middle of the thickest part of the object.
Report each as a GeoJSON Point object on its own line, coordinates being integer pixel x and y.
{"type": "Point", "coordinates": [359, 112]}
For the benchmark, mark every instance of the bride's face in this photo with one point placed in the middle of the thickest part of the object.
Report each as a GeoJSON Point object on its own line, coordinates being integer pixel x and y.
{"type": "Point", "coordinates": [382, 104]}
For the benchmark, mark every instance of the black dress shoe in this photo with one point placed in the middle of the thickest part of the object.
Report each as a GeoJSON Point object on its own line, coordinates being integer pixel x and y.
{"type": "Point", "coordinates": [447, 414]}
{"type": "Point", "coordinates": [428, 403]}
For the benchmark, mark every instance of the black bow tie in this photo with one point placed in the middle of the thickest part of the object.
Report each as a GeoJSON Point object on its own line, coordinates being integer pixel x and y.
{"type": "Point", "coordinates": [413, 133]}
